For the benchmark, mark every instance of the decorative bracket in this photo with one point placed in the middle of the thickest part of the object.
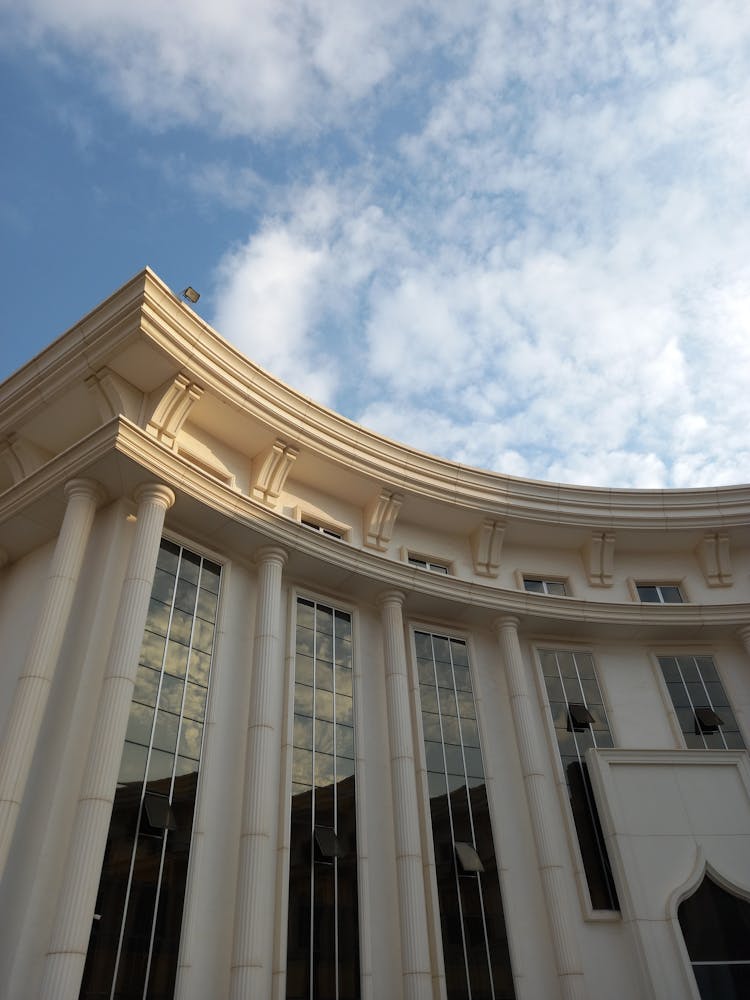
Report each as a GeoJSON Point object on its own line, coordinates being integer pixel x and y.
{"type": "Point", "coordinates": [170, 413]}
{"type": "Point", "coordinates": [598, 556]}
{"type": "Point", "coordinates": [115, 396]}
{"type": "Point", "coordinates": [270, 471]}
{"type": "Point", "coordinates": [714, 559]}
{"type": "Point", "coordinates": [486, 545]}
{"type": "Point", "coordinates": [379, 518]}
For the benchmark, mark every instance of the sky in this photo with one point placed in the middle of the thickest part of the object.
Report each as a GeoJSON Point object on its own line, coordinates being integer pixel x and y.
{"type": "Point", "coordinates": [512, 234]}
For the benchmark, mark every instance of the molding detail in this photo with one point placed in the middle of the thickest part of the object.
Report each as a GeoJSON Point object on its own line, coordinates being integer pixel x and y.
{"type": "Point", "coordinates": [379, 517]}
{"type": "Point", "coordinates": [270, 470]}
{"type": "Point", "coordinates": [486, 545]}
{"type": "Point", "coordinates": [176, 400]}
{"type": "Point", "coordinates": [714, 559]}
{"type": "Point", "coordinates": [598, 556]}
{"type": "Point", "coordinates": [114, 395]}
{"type": "Point", "coordinates": [21, 457]}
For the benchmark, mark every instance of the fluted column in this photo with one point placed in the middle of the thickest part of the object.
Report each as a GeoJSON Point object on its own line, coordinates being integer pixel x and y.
{"type": "Point", "coordinates": [252, 960]}
{"type": "Point", "coordinates": [69, 941]}
{"type": "Point", "coordinates": [32, 691]}
{"type": "Point", "coordinates": [551, 849]}
{"type": "Point", "coordinates": [415, 950]}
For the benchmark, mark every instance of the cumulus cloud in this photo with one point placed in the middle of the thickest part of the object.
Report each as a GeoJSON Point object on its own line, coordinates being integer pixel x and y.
{"type": "Point", "coordinates": [543, 271]}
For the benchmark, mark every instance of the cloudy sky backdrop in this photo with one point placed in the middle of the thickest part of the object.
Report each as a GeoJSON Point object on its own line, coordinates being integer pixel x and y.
{"type": "Point", "coordinates": [515, 234]}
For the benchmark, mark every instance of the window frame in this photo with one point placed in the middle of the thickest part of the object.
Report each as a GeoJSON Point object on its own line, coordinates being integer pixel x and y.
{"type": "Point", "coordinates": [521, 576]}
{"type": "Point", "coordinates": [590, 914]}
{"type": "Point", "coordinates": [313, 521]}
{"type": "Point", "coordinates": [429, 564]}
{"type": "Point", "coordinates": [635, 582]}
{"type": "Point", "coordinates": [674, 722]}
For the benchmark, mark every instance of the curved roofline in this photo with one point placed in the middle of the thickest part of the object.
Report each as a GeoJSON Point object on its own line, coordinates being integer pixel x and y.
{"type": "Point", "coordinates": [145, 307]}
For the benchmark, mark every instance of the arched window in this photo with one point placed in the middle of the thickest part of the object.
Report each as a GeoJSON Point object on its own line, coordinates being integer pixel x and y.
{"type": "Point", "coordinates": [716, 927]}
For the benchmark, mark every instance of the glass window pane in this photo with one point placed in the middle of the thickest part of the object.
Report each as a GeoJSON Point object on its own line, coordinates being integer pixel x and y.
{"type": "Point", "coordinates": [160, 766]}
{"type": "Point", "coordinates": [426, 671]}
{"type": "Point", "coordinates": [460, 653]}
{"type": "Point", "coordinates": [303, 699]}
{"type": "Point", "coordinates": [585, 664]}
{"type": "Point", "coordinates": [344, 709]}
{"type": "Point", "coordinates": [157, 619]}
{"type": "Point", "coordinates": [470, 732]}
{"type": "Point", "coordinates": [324, 647]}
{"type": "Point", "coordinates": [343, 625]}
{"type": "Point", "coordinates": [344, 768]}
{"type": "Point", "coordinates": [423, 645]}
{"type": "Point", "coordinates": [447, 702]}
{"type": "Point", "coordinates": [428, 698]}
{"type": "Point", "coordinates": [324, 706]}
{"type": "Point", "coordinates": [451, 731]}
{"type": "Point", "coordinates": [572, 689]}
{"type": "Point", "coordinates": [648, 594]}
{"type": "Point", "coordinates": [434, 756]}
{"type": "Point", "coordinates": [454, 763]}
{"type": "Point", "coordinates": [304, 669]}
{"type": "Point", "coordinates": [210, 576]}
{"type": "Point", "coordinates": [344, 741]}
{"type": "Point", "coordinates": [324, 734]}
{"type": "Point", "coordinates": [191, 735]}
{"type": "Point", "coordinates": [324, 676]}
{"type": "Point", "coordinates": [165, 733]}
{"type": "Point", "coordinates": [556, 588]}
{"type": "Point", "coordinates": [431, 726]}
{"type": "Point", "coordinates": [305, 613]}
{"type": "Point", "coordinates": [302, 766]}
{"type": "Point", "coordinates": [305, 641]}
{"type": "Point", "coordinates": [466, 705]}
{"type": "Point", "coordinates": [566, 663]}
{"type": "Point", "coordinates": [170, 698]}
{"type": "Point", "coordinates": [473, 762]}
{"type": "Point", "coordinates": [190, 565]}
{"type": "Point", "coordinates": [185, 596]}
{"type": "Point", "coordinates": [185, 766]}
{"type": "Point", "coordinates": [324, 620]}
{"type": "Point", "coordinates": [343, 653]}
{"type": "Point", "coordinates": [177, 659]}
{"type": "Point", "coordinates": [207, 605]}
{"type": "Point", "coordinates": [152, 650]}
{"type": "Point", "coordinates": [668, 665]}
{"type": "Point", "coordinates": [169, 556]}
{"type": "Point", "coordinates": [132, 764]}
{"type": "Point", "coordinates": [182, 626]}
{"type": "Point", "coordinates": [671, 595]}
{"type": "Point", "coordinates": [549, 662]}
{"type": "Point", "coordinates": [139, 724]}
{"type": "Point", "coordinates": [195, 702]}
{"type": "Point", "coordinates": [463, 678]}
{"type": "Point", "coordinates": [707, 668]}
{"type": "Point", "coordinates": [324, 769]}
{"type": "Point", "coordinates": [146, 685]}
{"type": "Point", "coordinates": [200, 664]}
{"type": "Point", "coordinates": [203, 635]}
{"type": "Point", "coordinates": [688, 667]}
{"type": "Point", "coordinates": [441, 649]}
{"type": "Point", "coordinates": [444, 674]}
{"type": "Point", "coordinates": [533, 586]}
{"type": "Point", "coordinates": [436, 784]}
{"type": "Point", "coordinates": [303, 732]}
{"type": "Point", "coordinates": [343, 681]}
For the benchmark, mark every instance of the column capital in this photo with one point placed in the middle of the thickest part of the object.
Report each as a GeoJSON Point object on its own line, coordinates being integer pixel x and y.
{"type": "Point", "coordinates": [88, 488]}
{"type": "Point", "coordinates": [503, 622]}
{"type": "Point", "coordinates": [392, 598]}
{"type": "Point", "coordinates": [270, 553]}
{"type": "Point", "coordinates": [156, 493]}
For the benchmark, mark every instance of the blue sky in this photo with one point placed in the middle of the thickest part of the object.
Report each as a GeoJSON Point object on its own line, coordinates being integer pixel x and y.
{"type": "Point", "coordinates": [513, 234]}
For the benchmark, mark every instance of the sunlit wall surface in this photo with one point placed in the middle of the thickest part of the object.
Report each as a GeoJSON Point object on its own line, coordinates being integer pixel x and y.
{"type": "Point", "coordinates": [136, 932]}
{"type": "Point", "coordinates": [475, 945]}
{"type": "Point", "coordinates": [323, 937]}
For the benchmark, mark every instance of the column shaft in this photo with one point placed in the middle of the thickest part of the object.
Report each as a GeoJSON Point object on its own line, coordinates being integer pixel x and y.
{"type": "Point", "coordinates": [415, 950]}
{"type": "Point", "coordinates": [32, 691]}
{"type": "Point", "coordinates": [252, 961]}
{"type": "Point", "coordinates": [66, 956]}
{"type": "Point", "coordinates": [551, 851]}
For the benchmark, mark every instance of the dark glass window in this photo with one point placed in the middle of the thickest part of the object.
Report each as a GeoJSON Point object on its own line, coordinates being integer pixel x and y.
{"type": "Point", "coordinates": [556, 588]}
{"type": "Point", "coordinates": [580, 722]}
{"type": "Point", "coordinates": [323, 936]}
{"type": "Point", "coordinates": [136, 933]}
{"type": "Point", "coordinates": [716, 928]}
{"type": "Point", "coordinates": [659, 593]}
{"type": "Point", "coordinates": [700, 703]}
{"type": "Point", "coordinates": [433, 567]}
{"type": "Point", "coordinates": [321, 529]}
{"type": "Point", "coordinates": [475, 945]}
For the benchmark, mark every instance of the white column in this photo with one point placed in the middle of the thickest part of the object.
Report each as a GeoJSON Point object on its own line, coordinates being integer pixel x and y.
{"type": "Point", "coordinates": [63, 969]}
{"type": "Point", "coordinates": [252, 961]}
{"type": "Point", "coordinates": [415, 949]}
{"type": "Point", "coordinates": [551, 848]}
{"type": "Point", "coordinates": [32, 691]}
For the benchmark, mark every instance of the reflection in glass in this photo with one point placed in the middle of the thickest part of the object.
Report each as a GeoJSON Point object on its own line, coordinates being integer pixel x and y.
{"type": "Point", "coordinates": [574, 673]}
{"type": "Point", "coordinates": [323, 936]}
{"type": "Point", "coordinates": [475, 947]}
{"type": "Point", "coordinates": [134, 943]}
{"type": "Point", "coordinates": [693, 682]}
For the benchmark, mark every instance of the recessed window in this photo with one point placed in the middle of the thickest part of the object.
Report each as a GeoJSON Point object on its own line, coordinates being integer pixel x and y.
{"type": "Point", "coordinates": [472, 922]}
{"type": "Point", "coordinates": [321, 528]}
{"type": "Point", "coordinates": [716, 928]}
{"type": "Point", "coordinates": [535, 585]}
{"type": "Point", "coordinates": [580, 722]}
{"type": "Point", "coordinates": [659, 593]}
{"type": "Point", "coordinates": [700, 703]}
{"type": "Point", "coordinates": [433, 567]}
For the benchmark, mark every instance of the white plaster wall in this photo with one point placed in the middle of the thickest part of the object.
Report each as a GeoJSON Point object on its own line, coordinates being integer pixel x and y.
{"type": "Point", "coordinates": [632, 696]}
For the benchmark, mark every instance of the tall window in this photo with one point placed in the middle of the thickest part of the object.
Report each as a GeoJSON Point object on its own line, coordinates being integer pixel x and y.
{"type": "Point", "coordinates": [136, 931]}
{"type": "Point", "coordinates": [323, 939]}
{"type": "Point", "coordinates": [716, 928]}
{"type": "Point", "coordinates": [475, 945]}
{"type": "Point", "coordinates": [700, 703]}
{"type": "Point", "coordinates": [580, 722]}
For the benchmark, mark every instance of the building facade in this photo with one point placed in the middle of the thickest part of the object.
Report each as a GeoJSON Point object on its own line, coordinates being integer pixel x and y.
{"type": "Point", "coordinates": [289, 710]}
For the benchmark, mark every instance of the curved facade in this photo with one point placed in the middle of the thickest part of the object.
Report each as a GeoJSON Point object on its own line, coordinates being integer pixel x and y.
{"type": "Point", "coordinates": [291, 710]}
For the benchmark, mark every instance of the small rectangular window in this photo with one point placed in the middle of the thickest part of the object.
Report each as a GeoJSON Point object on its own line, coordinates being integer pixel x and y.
{"type": "Point", "coordinates": [555, 588]}
{"type": "Point", "coordinates": [433, 567]}
{"type": "Point", "coordinates": [659, 593]}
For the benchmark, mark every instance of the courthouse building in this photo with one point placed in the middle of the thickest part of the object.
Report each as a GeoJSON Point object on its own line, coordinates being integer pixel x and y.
{"type": "Point", "coordinates": [290, 710]}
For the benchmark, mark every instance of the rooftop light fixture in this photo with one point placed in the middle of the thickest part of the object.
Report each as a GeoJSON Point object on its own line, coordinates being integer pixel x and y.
{"type": "Point", "coordinates": [190, 294]}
